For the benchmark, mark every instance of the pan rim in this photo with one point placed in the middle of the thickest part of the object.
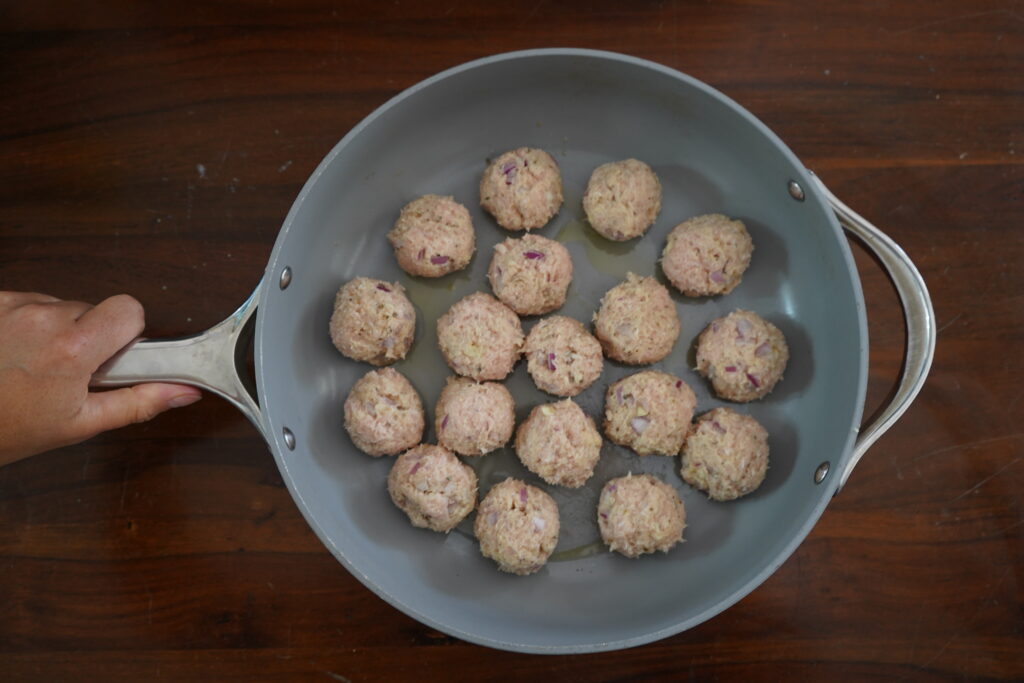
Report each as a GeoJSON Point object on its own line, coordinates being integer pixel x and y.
{"type": "Point", "coordinates": [828, 487]}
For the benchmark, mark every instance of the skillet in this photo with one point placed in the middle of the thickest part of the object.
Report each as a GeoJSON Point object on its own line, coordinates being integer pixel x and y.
{"type": "Point", "coordinates": [586, 108]}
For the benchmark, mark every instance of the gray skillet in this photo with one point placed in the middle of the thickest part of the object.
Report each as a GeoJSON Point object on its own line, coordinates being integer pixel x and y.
{"type": "Point", "coordinates": [585, 108]}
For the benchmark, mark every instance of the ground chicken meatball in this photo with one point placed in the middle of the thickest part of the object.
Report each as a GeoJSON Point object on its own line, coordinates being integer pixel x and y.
{"type": "Point", "coordinates": [480, 337]}
{"type": "Point", "coordinates": [433, 236]}
{"type": "Point", "coordinates": [623, 199]}
{"type": "Point", "coordinates": [559, 443]}
{"type": "Point", "coordinates": [649, 412]}
{"type": "Point", "coordinates": [640, 514]}
{"type": "Point", "coordinates": [726, 454]}
{"type": "Point", "coordinates": [530, 275]}
{"type": "Point", "coordinates": [430, 485]}
{"type": "Point", "coordinates": [522, 189]}
{"type": "Point", "coordinates": [707, 255]}
{"type": "Point", "coordinates": [637, 322]}
{"type": "Point", "coordinates": [743, 355]}
{"type": "Point", "coordinates": [373, 321]}
{"type": "Point", "coordinates": [562, 357]}
{"type": "Point", "coordinates": [383, 413]}
{"type": "Point", "coordinates": [517, 526]}
{"type": "Point", "coordinates": [472, 418]}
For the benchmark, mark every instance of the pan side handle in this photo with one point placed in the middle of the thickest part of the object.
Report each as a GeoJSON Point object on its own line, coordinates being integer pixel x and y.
{"type": "Point", "coordinates": [920, 321]}
{"type": "Point", "coordinates": [214, 360]}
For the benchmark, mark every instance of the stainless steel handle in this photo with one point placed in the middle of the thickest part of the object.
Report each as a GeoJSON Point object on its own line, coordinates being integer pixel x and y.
{"type": "Point", "coordinates": [919, 314]}
{"type": "Point", "coordinates": [213, 360]}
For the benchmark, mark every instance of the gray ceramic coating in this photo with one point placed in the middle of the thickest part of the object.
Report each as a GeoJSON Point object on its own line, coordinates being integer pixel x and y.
{"type": "Point", "coordinates": [585, 108]}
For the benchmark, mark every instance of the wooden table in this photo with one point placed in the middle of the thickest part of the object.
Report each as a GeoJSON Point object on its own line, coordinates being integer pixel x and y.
{"type": "Point", "coordinates": [156, 150]}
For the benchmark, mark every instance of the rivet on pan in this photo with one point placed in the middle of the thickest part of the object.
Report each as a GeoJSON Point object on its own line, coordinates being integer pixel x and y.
{"type": "Point", "coordinates": [286, 277]}
{"type": "Point", "coordinates": [821, 472]}
{"type": "Point", "coordinates": [289, 438]}
{"type": "Point", "coordinates": [795, 191]}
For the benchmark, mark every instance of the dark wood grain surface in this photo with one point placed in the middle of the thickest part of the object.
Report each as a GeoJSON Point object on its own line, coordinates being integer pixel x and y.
{"type": "Point", "coordinates": [156, 148]}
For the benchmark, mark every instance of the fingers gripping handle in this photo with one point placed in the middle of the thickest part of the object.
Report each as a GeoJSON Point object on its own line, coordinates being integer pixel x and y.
{"type": "Point", "coordinates": [213, 360]}
{"type": "Point", "coordinates": [920, 320]}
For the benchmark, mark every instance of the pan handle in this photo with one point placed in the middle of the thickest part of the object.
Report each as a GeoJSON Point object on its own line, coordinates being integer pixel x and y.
{"type": "Point", "coordinates": [920, 320]}
{"type": "Point", "coordinates": [214, 360]}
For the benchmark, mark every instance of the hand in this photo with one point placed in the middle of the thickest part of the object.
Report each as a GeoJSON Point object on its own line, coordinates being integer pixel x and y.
{"type": "Point", "coordinates": [49, 350]}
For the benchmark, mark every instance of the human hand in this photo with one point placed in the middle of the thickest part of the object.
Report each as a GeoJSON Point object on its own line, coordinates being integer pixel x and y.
{"type": "Point", "coordinates": [49, 349]}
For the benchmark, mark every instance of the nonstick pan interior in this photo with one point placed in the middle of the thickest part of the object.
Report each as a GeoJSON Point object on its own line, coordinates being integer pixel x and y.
{"type": "Point", "coordinates": [585, 108]}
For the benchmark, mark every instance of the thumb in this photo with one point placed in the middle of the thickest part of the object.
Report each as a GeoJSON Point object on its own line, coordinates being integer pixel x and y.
{"type": "Point", "coordinates": [105, 410]}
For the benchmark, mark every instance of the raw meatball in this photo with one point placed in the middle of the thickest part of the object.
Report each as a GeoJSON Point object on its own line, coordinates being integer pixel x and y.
{"type": "Point", "coordinates": [743, 355]}
{"type": "Point", "coordinates": [707, 255]}
{"type": "Point", "coordinates": [649, 412]}
{"type": "Point", "coordinates": [480, 337]}
{"type": "Point", "coordinates": [433, 236]}
{"type": "Point", "coordinates": [517, 526]}
{"type": "Point", "coordinates": [637, 322]}
{"type": "Point", "coordinates": [562, 357]}
{"type": "Point", "coordinates": [522, 189]}
{"type": "Point", "coordinates": [430, 485]}
{"type": "Point", "coordinates": [623, 199]}
{"type": "Point", "coordinates": [726, 454]}
{"type": "Point", "coordinates": [383, 413]}
{"type": "Point", "coordinates": [373, 321]}
{"type": "Point", "coordinates": [530, 275]}
{"type": "Point", "coordinates": [472, 418]}
{"type": "Point", "coordinates": [640, 515]}
{"type": "Point", "coordinates": [559, 443]}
